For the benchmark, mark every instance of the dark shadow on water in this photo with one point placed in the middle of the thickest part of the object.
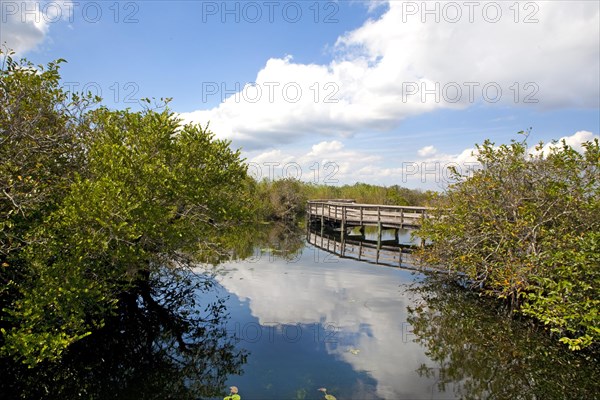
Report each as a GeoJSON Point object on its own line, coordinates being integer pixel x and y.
{"type": "Point", "coordinates": [483, 353]}
{"type": "Point", "coordinates": [156, 347]}
{"type": "Point", "coordinates": [164, 342]}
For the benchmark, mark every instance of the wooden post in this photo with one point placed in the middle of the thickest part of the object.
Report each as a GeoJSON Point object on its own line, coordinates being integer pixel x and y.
{"type": "Point", "coordinates": [402, 218]}
{"type": "Point", "coordinates": [308, 218]}
{"type": "Point", "coordinates": [379, 227]}
{"type": "Point", "coordinates": [343, 222]}
{"type": "Point", "coordinates": [422, 219]}
{"type": "Point", "coordinates": [379, 230]}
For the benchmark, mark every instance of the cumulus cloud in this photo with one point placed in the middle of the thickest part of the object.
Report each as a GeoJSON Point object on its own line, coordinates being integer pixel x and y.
{"type": "Point", "coordinates": [575, 141]}
{"type": "Point", "coordinates": [18, 31]}
{"type": "Point", "coordinates": [432, 169]}
{"type": "Point", "coordinates": [327, 162]}
{"type": "Point", "coordinates": [272, 156]}
{"type": "Point", "coordinates": [398, 66]}
{"type": "Point", "coordinates": [324, 148]}
{"type": "Point", "coordinates": [427, 151]}
{"type": "Point", "coordinates": [24, 25]}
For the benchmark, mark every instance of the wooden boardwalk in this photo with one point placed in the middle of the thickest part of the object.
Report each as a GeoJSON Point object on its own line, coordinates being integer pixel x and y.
{"type": "Point", "coordinates": [347, 213]}
{"type": "Point", "coordinates": [329, 225]}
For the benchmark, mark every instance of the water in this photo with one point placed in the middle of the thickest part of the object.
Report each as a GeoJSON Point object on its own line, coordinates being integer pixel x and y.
{"type": "Point", "coordinates": [317, 321]}
{"type": "Point", "coordinates": [311, 320]}
{"type": "Point", "coordinates": [282, 319]}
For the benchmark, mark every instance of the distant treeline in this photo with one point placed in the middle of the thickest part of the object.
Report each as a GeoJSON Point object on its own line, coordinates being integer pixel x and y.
{"type": "Point", "coordinates": [285, 199]}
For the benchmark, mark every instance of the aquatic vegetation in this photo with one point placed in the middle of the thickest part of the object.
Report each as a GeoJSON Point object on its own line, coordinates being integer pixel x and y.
{"type": "Point", "coordinates": [327, 396]}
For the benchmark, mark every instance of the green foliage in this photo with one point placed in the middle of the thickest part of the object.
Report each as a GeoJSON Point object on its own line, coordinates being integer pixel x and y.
{"type": "Point", "coordinates": [40, 128]}
{"type": "Point", "coordinates": [282, 200]}
{"type": "Point", "coordinates": [567, 300]}
{"type": "Point", "coordinates": [523, 228]}
{"type": "Point", "coordinates": [40, 131]}
{"type": "Point", "coordinates": [94, 203]}
{"type": "Point", "coordinates": [369, 194]}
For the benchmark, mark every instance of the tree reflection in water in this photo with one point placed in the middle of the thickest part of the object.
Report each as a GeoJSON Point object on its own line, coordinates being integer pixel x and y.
{"type": "Point", "coordinates": [160, 345]}
{"type": "Point", "coordinates": [163, 343]}
{"type": "Point", "coordinates": [283, 240]}
{"type": "Point", "coordinates": [486, 355]}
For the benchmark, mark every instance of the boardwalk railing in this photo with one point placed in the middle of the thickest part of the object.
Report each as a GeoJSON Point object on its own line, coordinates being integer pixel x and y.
{"type": "Point", "coordinates": [347, 214]}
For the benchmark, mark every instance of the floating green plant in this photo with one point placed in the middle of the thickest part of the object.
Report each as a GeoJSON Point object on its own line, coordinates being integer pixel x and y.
{"type": "Point", "coordinates": [233, 394]}
{"type": "Point", "coordinates": [327, 396]}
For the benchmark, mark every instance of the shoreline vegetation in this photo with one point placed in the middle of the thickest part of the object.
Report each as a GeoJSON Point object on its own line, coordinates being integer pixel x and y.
{"type": "Point", "coordinates": [525, 229]}
{"type": "Point", "coordinates": [97, 205]}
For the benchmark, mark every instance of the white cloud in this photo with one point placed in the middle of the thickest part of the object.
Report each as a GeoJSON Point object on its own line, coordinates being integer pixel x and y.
{"type": "Point", "coordinates": [272, 156]}
{"type": "Point", "coordinates": [24, 25]}
{"type": "Point", "coordinates": [434, 170]}
{"type": "Point", "coordinates": [383, 71]}
{"type": "Point", "coordinates": [329, 162]}
{"type": "Point", "coordinates": [427, 151]}
{"type": "Point", "coordinates": [22, 32]}
{"type": "Point", "coordinates": [575, 141]}
{"type": "Point", "coordinates": [325, 148]}
{"type": "Point", "coordinates": [326, 162]}
{"type": "Point", "coordinates": [427, 170]}
{"type": "Point", "coordinates": [467, 156]}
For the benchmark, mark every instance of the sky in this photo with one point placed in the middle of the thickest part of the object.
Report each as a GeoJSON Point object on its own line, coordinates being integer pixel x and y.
{"type": "Point", "coordinates": [335, 92]}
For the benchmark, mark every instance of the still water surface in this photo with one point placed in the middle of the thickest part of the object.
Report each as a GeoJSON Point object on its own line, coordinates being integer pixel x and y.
{"type": "Point", "coordinates": [317, 321]}
{"type": "Point", "coordinates": [280, 319]}
{"type": "Point", "coordinates": [311, 320]}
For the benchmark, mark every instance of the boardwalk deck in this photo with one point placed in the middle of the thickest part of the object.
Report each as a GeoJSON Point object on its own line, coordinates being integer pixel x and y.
{"type": "Point", "coordinates": [346, 213]}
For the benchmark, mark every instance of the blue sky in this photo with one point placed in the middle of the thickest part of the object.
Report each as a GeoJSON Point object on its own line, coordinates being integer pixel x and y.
{"type": "Point", "coordinates": [381, 92]}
